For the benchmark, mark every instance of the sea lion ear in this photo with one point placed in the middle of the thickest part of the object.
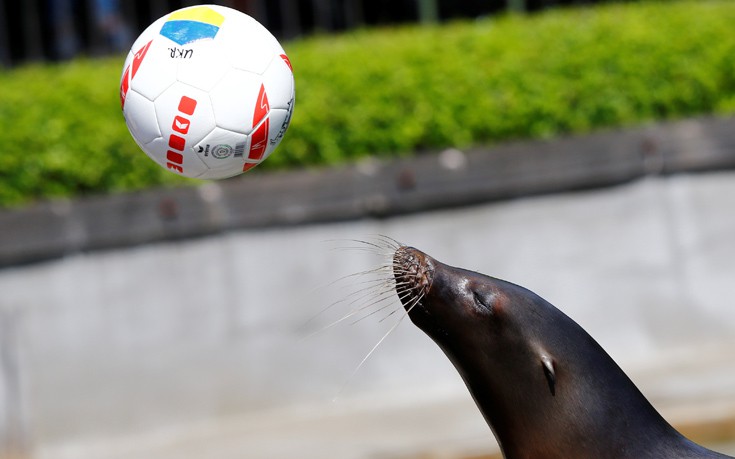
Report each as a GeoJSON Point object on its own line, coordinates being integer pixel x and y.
{"type": "Point", "coordinates": [548, 365]}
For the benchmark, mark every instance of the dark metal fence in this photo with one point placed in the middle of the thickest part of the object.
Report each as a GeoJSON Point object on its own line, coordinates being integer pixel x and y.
{"type": "Point", "coordinates": [32, 30]}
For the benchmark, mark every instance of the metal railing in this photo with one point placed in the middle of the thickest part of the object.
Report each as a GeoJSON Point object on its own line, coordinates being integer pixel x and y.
{"type": "Point", "coordinates": [32, 30]}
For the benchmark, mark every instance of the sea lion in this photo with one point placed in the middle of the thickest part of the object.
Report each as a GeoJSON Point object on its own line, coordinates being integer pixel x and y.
{"type": "Point", "coordinates": [545, 387]}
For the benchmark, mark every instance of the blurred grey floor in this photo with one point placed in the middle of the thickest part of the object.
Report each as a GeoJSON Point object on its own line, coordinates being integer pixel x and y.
{"type": "Point", "coordinates": [429, 425]}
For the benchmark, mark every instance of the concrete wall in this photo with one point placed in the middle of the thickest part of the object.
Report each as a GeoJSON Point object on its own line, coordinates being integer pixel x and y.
{"type": "Point", "coordinates": [202, 347]}
{"type": "Point", "coordinates": [124, 341]}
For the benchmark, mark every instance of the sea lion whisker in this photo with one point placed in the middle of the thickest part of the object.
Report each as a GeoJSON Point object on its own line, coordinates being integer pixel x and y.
{"type": "Point", "coordinates": [350, 314]}
{"type": "Point", "coordinates": [380, 288]}
{"type": "Point", "coordinates": [412, 304]}
{"type": "Point", "coordinates": [371, 313]}
{"type": "Point", "coordinates": [402, 287]}
{"type": "Point", "coordinates": [372, 250]}
{"type": "Point", "coordinates": [381, 242]}
{"type": "Point", "coordinates": [368, 283]}
{"type": "Point", "coordinates": [389, 242]}
{"type": "Point", "coordinates": [377, 281]}
{"type": "Point", "coordinates": [402, 283]}
{"type": "Point", "coordinates": [384, 241]}
{"type": "Point", "coordinates": [351, 240]}
{"type": "Point", "coordinates": [373, 247]}
{"type": "Point", "coordinates": [367, 272]}
{"type": "Point", "coordinates": [397, 269]}
{"type": "Point", "coordinates": [364, 294]}
{"type": "Point", "coordinates": [367, 356]}
{"type": "Point", "coordinates": [403, 294]}
{"type": "Point", "coordinates": [389, 314]}
{"type": "Point", "coordinates": [382, 296]}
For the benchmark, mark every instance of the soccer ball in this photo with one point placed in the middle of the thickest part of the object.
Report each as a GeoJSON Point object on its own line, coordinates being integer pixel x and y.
{"type": "Point", "coordinates": [207, 92]}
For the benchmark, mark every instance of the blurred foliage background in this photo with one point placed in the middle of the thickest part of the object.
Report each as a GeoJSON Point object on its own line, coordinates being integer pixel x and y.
{"type": "Point", "coordinates": [398, 91]}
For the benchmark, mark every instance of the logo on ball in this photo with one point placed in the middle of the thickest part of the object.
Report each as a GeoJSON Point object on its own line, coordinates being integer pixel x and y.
{"type": "Point", "coordinates": [222, 151]}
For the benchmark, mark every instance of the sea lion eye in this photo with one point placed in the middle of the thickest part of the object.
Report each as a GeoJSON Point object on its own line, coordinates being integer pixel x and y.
{"type": "Point", "coordinates": [482, 302]}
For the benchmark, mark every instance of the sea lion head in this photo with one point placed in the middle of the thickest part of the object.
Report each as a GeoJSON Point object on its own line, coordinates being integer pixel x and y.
{"type": "Point", "coordinates": [476, 317]}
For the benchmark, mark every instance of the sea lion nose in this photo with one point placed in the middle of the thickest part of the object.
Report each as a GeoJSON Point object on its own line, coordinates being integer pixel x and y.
{"type": "Point", "coordinates": [411, 272]}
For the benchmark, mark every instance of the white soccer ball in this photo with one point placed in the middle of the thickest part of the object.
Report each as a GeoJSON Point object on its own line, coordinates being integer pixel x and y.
{"type": "Point", "coordinates": [207, 92]}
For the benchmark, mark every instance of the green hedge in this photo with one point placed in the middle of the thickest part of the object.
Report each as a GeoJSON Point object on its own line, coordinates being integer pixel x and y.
{"type": "Point", "coordinates": [64, 134]}
{"type": "Point", "coordinates": [557, 72]}
{"type": "Point", "coordinates": [397, 91]}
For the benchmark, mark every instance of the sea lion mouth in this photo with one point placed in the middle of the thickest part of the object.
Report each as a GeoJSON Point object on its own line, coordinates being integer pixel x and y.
{"type": "Point", "coordinates": [413, 272]}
